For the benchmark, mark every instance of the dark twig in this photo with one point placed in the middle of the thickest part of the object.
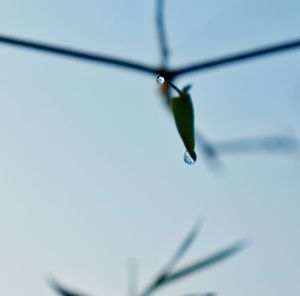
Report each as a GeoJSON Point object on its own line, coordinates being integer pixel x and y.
{"type": "Point", "coordinates": [161, 32]}
{"type": "Point", "coordinates": [92, 57]}
{"type": "Point", "coordinates": [238, 57]}
{"type": "Point", "coordinates": [77, 54]}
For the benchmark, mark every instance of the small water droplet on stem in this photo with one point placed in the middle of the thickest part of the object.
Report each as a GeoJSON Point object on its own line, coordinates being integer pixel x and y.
{"type": "Point", "coordinates": [160, 79]}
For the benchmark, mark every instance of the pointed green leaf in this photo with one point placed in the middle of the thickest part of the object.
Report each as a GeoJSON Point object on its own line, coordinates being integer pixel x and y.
{"type": "Point", "coordinates": [183, 112]}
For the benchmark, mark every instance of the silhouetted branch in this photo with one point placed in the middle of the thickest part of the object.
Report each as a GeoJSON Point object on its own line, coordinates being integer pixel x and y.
{"type": "Point", "coordinates": [161, 32]}
{"type": "Point", "coordinates": [238, 57]}
{"type": "Point", "coordinates": [77, 54]}
{"type": "Point", "coordinates": [93, 57]}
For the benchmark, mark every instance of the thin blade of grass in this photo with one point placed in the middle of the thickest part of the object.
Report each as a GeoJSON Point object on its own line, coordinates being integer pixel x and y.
{"type": "Point", "coordinates": [161, 32]}
{"type": "Point", "coordinates": [209, 151]}
{"type": "Point", "coordinates": [206, 262]}
{"type": "Point", "coordinates": [59, 289]}
{"type": "Point", "coordinates": [260, 144]}
{"type": "Point", "coordinates": [185, 245]}
{"type": "Point", "coordinates": [183, 248]}
{"type": "Point", "coordinates": [201, 294]}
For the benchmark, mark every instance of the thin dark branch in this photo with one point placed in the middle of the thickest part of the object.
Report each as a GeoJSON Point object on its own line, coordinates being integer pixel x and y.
{"type": "Point", "coordinates": [239, 57]}
{"type": "Point", "coordinates": [161, 32]}
{"type": "Point", "coordinates": [77, 54]}
{"type": "Point", "coordinates": [93, 57]}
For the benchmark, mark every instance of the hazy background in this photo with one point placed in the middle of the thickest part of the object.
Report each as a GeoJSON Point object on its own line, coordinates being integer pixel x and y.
{"type": "Point", "coordinates": [91, 167]}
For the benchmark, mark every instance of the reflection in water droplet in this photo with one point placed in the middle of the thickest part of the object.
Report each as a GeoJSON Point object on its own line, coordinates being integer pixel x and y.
{"type": "Point", "coordinates": [187, 158]}
{"type": "Point", "coordinates": [160, 79]}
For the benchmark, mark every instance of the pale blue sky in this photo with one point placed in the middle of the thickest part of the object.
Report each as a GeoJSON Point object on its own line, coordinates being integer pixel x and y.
{"type": "Point", "coordinates": [91, 167]}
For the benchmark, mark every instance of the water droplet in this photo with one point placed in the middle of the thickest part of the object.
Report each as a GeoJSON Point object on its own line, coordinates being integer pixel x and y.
{"type": "Point", "coordinates": [160, 79]}
{"type": "Point", "coordinates": [188, 158]}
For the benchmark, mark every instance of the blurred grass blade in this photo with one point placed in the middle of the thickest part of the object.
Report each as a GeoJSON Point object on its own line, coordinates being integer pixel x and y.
{"type": "Point", "coordinates": [206, 262]}
{"type": "Point", "coordinates": [260, 144]}
{"type": "Point", "coordinates": [209, 152]}
{"type": "Point", "coordinates": [185, 245]}
{"type": "Point", "coordinates": [207, 148]}
{"type": "Point", "coordinates": [201, 294]}
{"type": "Point", "coordinates": [63, 291]}
{"type": "Point", "coordinates": [161, 31]}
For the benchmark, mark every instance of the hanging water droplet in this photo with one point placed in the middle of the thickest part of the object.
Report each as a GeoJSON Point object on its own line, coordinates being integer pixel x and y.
{"type": "Point", "coordinates": [160, 79]}
{"type": "Point", "coordinates": [188, 158]}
